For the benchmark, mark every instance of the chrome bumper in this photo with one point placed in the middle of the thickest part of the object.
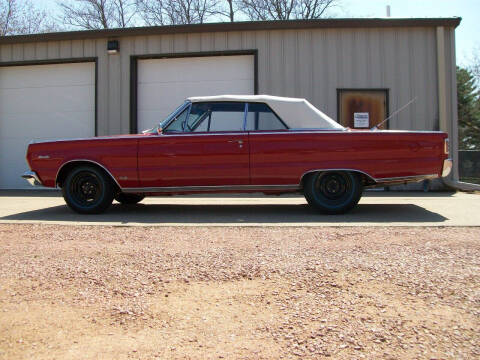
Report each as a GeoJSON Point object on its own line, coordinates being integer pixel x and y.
{"type": "Point", "coordinates": [32, 178]}
{"type": "Point", "coordinates": [447, 167]}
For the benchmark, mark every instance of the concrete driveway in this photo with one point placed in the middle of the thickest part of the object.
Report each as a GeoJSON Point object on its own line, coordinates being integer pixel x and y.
{"type": "Point", "coordinates": [375, 209]}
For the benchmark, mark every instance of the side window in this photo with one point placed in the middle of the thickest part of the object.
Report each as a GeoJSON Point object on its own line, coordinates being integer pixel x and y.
{"type": "Point", "coordinates": [261, 117]}
{"type": "Point", "coordinates": [215, 117]}
{"type": "Point", "coordinates": [176, 124]}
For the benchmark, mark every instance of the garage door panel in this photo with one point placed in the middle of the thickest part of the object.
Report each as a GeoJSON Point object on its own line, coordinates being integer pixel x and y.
{"type": "Point", "coordinates": [36, 100]}
{"type": "Point", "coordinates": [178, 92]}
{"type": "Point", "coordinates": [163, 84]}
{"type": "Point", "coordinates": [185, 69]}
{"type": "Point", "coordinates": [44, 76]}
{"type": "Point", "coordinates": [49, 126]}
{"type": "Point", "coordinates": [42, 102]}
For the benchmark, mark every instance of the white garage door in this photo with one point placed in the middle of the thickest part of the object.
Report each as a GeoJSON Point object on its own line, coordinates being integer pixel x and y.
{"type": "Point", "coordinates": [42, 102]}
{"type": "Point", "coordinates": [163, 84]}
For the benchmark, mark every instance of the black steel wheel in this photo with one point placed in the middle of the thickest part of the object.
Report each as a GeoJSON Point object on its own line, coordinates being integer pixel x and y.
{"type": "Point", "coordinates": [333, 192]}
{"type": "Point", "coordinates": [88, 190]}
{"type": "Point", "coordinates": [129, 199]}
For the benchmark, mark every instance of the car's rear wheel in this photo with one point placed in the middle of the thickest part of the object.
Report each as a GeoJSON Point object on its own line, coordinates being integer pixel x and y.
{"type": "Point", "coordinates": [333, 192]}
{"type": "Point", "coordinates": [129, 199]}
{"type": "Point", "coordinates": [88, 190]}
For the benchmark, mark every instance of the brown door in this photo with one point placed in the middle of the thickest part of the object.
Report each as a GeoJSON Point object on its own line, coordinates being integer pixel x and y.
{"type": "Point", "coordinates": [362, 109]}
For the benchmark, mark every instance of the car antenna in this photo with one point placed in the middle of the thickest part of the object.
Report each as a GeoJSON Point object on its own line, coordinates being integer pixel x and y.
{"type": "Point", "coordinates": [395, 113]}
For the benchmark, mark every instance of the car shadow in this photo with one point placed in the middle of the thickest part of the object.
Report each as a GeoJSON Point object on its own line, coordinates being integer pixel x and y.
{"type": "Point", "coordinates": [237, 214]}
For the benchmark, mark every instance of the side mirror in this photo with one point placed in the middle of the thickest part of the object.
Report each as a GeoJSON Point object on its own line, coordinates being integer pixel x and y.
{"type": "Point", "coordinates": [159, 130]}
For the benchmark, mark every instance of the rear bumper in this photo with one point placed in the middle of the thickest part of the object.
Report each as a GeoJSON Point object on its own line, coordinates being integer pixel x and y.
{"type": "Point", "coordinates": [447, 167]}
{"type": "Point", "coordinates": [32, 178]}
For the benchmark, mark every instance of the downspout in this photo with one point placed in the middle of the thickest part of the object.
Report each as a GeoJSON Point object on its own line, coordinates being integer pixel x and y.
{"type": "Point", "coordinates": [452, 180]}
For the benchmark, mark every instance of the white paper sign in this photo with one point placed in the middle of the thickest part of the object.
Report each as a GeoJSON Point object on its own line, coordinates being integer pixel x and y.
{"type": "Point", "coordinates": [361, 120]}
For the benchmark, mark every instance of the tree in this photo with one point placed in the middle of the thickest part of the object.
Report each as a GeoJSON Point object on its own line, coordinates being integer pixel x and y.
{"type": "Point", "coordinates": [175, 12]}
{"type": "Point", "coordinates": [468, 110]}
{"type": "Point", "coordinates": [22, 17]}
{"type": "Point", "coordinates": [98, 14]}
{"type": "Point", "coordinates": [285, 9]}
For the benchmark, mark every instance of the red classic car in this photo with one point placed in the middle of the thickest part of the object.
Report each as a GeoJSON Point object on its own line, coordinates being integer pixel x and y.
{"type": "Point", "coordinates": [238, 144]}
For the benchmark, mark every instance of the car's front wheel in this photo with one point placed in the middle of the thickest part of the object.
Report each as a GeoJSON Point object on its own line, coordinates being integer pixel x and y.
{"type": "Point", "coordinates": [87, 190]}
{"type": "Point", "coordinates": [333, 192]}
{"type": "Point", "coordinates": [129, 199]}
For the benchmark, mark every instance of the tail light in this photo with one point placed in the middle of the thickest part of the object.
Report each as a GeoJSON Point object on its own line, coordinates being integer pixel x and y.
{"type": "Point", "coordinates": [447, 146]}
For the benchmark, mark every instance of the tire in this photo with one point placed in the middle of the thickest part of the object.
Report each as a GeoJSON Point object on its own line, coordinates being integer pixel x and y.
{"type": "Point", "coordinates": [129, 199]}
{"type": "Point", "coordinates": [333, 192]}
{"type": "Point", "coordinates": [88, 190]}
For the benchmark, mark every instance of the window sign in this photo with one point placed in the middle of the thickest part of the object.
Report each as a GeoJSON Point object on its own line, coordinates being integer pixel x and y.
{"type": "Point", "coordinates": [361, 120]}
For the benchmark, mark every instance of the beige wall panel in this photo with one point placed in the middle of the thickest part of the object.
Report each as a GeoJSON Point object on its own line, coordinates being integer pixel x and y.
{"type": "Point", "coordinates": [180, 43]}
{"type": "Point", "coordinates": [41, 50]}
{"type": "Point", "coordinates": [304, 52]}
{"type": "Point", "coordinates": [453, 132]}
{"type": "Point", "coordinates": [126, 47]}
{"type": "Point", "coordinates": [90, 48]}
{"type": "Point", "coordinates": [264, 67]}
{"type": "Point", "coordinates": [154, 45]}
{"type": "Point", "coordinates": [66, 49]}
{"type": "Point", "coordinates": [194, 42]}
{"type": "Point", "coordinates": [29, 51]}
{"type": "Point", "coordinates": [53, 50]}
{"type": "Point", "coordinates": [140, 45]}
{"type": "Point", "coordinates": [166, 44]}
{"type": "Point", "coordinates": [220, 41]}
{"type": "Point", "coordinates": [248, 40]}
{"type": "Point", "coordinates": [103, 88]}
{"type": "Point", "coordinates": [207, 42]}
{"type": "Point", "coordinates": [276, 64]}
{"type": "Point", "coordinates": [17, 52]}
{"type": "Point", "coordinates": [77, 49]}
{"type": "Point", "coordinates": [234, 40]}
{"type": "Point", "coordinates": [289, 64]}
{"type": "Point", "coordinates": [114, 94]}
{"type": "Point", "coordinates": [6, 53]}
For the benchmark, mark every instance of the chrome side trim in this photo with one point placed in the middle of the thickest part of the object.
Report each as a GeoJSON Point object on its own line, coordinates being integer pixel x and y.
{"type": "Point", "coordinates": [447, 167]}
{"type": "Point", "coordinates": [32, 178]}
{"type": "Point", "coordinates": [170, 189]}
{"type": "Point", "coordinates": [381, 180]}
{"type": "Point", "coordinates": [89, 161]}
{"type": "Point", "coordinates": [402, 179]}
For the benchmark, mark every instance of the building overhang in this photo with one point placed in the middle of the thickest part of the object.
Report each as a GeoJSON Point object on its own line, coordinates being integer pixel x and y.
{"type": "Point", "coordinates": [235, 26]}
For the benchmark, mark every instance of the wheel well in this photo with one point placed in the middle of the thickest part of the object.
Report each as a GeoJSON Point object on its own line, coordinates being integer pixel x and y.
{"type": "Point", "coordinates": [366, 179]}
{"type": "Point", "coordinates": [65, 169]}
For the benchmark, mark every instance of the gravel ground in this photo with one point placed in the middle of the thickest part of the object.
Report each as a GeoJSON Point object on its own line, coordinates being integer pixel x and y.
{"type": "Point", "coordinates": [71, 292]}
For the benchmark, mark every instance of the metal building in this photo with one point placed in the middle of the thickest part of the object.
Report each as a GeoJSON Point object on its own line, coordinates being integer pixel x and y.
{"type": "Point", "coordinates": [86, 83]}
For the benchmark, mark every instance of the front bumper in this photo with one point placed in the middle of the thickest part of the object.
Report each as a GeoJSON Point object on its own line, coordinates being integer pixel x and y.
{"type": "Point", "coordinates": [32, 178]}
{"type": "Point", "coordinates": [447, 167]}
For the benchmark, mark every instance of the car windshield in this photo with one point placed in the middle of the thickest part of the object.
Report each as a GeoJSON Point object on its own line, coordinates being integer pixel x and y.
{"type": "Point", "coordinates": [166, 120]}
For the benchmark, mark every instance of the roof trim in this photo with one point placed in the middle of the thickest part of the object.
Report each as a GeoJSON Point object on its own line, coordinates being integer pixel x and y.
{"type": "Point", "coordinates": [236, 26]}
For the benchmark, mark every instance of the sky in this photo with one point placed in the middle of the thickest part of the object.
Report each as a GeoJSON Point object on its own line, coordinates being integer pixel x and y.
{"type": "Point", "coordinates": [467, 39]}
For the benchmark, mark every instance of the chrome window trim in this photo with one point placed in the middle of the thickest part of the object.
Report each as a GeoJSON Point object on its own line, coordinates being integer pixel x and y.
{"type": "Point", "coordinates": [174, 116]}
{"type": "Point", "coordinates": [245, 114]}
{"type": "Point", "coordinates": [86, 160]}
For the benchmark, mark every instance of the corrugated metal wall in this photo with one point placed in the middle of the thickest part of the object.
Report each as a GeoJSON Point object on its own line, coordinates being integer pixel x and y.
{"type": "Point", "coordinates": [301, 63]}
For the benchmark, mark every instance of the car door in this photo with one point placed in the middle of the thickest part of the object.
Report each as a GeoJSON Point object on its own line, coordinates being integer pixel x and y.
{"type": "Point", "coordinates": [273, 148]}
{"type": "Point", "coordinates": [205, 145]}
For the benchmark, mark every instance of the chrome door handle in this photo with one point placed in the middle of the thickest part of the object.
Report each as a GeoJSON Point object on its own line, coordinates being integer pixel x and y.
{"type": "Point", "coordinates": [237, 141]}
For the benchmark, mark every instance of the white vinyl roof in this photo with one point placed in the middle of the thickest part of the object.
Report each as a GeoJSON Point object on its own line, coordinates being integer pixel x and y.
{"type": "Point", "coordinates": [296, 113]}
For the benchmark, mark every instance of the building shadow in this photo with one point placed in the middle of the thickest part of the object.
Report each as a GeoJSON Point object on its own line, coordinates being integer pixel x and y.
{"type": "Point", "coordinates": [156, 214]}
